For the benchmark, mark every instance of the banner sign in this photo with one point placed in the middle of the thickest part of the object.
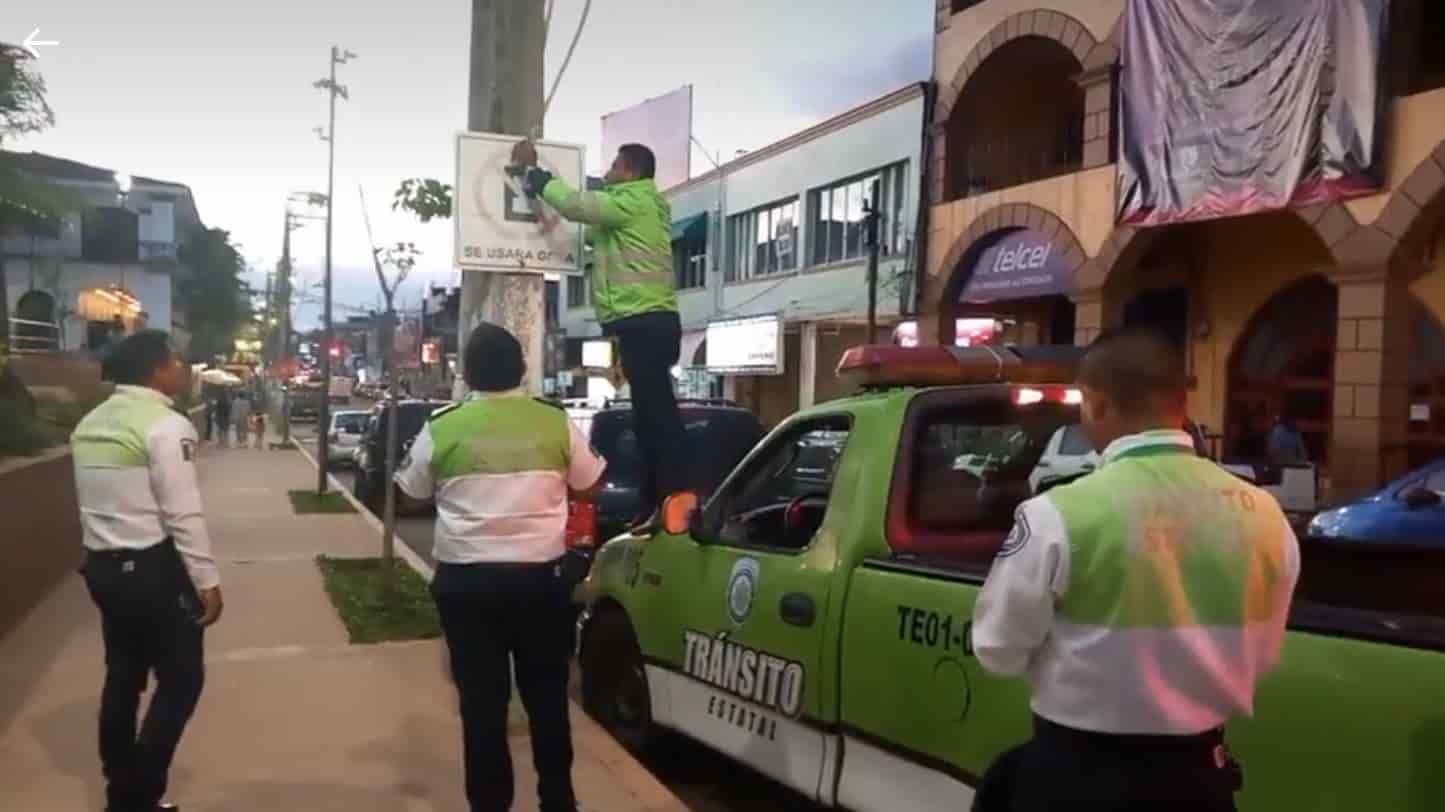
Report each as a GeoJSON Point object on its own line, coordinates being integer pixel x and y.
{"type": "Point", "coordinates": [749, 346]}
{"type": "Point", "coordinates": [664, 125]}
{"type": "Point", "coordinates": [1018, 264]}
{"type": "Point", "coordinates": [498, 228]}
{"type": "Point", "coordinates": [1232, 107]}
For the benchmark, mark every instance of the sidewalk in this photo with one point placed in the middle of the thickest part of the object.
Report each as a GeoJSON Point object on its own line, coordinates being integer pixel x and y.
{"type": "Point", "coordinates": [293, 717]}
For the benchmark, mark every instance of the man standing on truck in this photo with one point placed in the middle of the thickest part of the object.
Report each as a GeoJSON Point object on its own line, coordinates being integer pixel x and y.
{"type": "Point", "coordinates": [1142, 603]}
{"type": "Point", "coordinates": [501, 467]}
{"type": "Point", "coordinates": [630, 231]}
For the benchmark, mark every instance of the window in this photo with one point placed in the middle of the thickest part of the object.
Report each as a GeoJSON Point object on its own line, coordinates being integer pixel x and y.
{"type": "Point", "coordinates": [763, 241]}
{"type": "Point", "coordinates": [689, 263]}
{"type": "Point", "coordinates": [957, 6]}
{"type": "Point", "coordinates": [836, 216]}
{"type": "Point", "coordinates": [1075, 443]}
{"type": "Point", "coordinates": [780, 499]}
{"type": "Point", "coordinates": [964, 469]}
{"type": "Point", "coordinates": [576, 292]}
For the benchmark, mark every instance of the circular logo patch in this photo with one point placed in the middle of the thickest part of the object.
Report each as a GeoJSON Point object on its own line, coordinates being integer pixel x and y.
{"type": "Point", "coordinates": [742, 585]}
{"type": "Point", "coordinates": [1017, 537]}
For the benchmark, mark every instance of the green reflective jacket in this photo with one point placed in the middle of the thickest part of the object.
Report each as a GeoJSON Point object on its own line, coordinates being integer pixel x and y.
{"type": "Point", "coordinates": [629, 226]}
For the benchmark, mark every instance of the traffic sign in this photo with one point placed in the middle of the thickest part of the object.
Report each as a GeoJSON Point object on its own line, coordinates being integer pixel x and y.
{"type": "Point", "coordinates": [498, 228]}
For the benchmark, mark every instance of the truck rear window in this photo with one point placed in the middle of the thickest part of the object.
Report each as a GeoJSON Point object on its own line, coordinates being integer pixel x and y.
{"type": "Point", "coordinates": [964, 468]}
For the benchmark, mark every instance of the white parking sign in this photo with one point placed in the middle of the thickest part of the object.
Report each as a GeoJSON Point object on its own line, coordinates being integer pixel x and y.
{"type": "Point", "coordinates": [497, 227]}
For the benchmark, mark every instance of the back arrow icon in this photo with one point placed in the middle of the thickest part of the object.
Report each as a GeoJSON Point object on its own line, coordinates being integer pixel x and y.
{"type": "Point", "coordinates": [31, 41]}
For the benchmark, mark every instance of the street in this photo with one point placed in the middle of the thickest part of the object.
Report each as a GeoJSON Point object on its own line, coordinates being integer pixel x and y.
{"type": "Point", "coordinates": [704, 780]}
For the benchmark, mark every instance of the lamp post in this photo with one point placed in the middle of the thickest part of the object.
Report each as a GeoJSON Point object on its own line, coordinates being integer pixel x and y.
{"type": "Point", "coordinates": [323, 426]}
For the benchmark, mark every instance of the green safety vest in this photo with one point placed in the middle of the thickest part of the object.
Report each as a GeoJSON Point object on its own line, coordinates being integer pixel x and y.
{"type": "Point", "coordinates": [629, 226]}
{"type": "Point", "coordinates": [1160, 538]}
{"type": "Point", "coordinates": [499, 435]}
{"type": "Point", "coordinates": [114, 434]}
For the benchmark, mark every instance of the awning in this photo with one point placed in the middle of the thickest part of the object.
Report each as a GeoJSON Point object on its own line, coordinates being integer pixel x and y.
{"type": "Point", "coordinates": [691, 229]}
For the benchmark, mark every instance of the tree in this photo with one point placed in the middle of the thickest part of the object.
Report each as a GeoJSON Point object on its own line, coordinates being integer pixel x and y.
{"type": "Point", "coordinates": [216, 300]}
{"type": "Point", "coordinates": [400, 258]}
{"type": "Point", "coordinates": [425, 198]}
{"type": "Point", "coordinates": [23, 200]}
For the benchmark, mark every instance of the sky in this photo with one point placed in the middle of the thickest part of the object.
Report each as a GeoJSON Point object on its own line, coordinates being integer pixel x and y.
{"type": "Point", "coordinates": [219, 96]}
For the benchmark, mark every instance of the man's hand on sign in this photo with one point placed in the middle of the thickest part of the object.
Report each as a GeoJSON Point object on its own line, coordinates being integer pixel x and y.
{"type": "Point", "coordinates": [524, 153]}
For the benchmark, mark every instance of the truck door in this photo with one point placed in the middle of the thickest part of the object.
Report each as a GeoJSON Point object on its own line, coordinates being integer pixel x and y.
{"type": "Point", "coordinates": [753, 614]}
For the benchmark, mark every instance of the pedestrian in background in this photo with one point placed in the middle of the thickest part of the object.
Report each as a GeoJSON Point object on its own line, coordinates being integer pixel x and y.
{"type": "Point", "coordinates": [223, 418]}
{"type": "Point", "coordinates": [258, 428]}
{"type": "Point", "coordinates": [148, 565]}
{"type": "Point", "coordinates": [241, 418]}
{"type": "Point", "coordinates": [210, 418]}
{"type": "Point", "coordinates": [1143, 603]}
{"type": "Point", "coordinates": [629, 226]}
{"type": "Point", "coordinates": [501, 466]}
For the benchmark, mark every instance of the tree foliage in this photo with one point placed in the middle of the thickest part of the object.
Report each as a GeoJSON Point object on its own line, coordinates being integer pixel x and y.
{"type": "Point", "coordinates": [427, 199]}
{"type": "Point", "coordinates": [23, 108]}
{"type": "Point", "coordinates": [214, 297]}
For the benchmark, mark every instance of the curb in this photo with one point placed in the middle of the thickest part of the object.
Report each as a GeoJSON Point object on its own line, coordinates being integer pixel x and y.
{"type": "Point", "coordinates": [403, 550]}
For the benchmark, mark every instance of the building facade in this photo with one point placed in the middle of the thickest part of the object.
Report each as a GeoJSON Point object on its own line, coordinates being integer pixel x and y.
{"type": "Point", "coordinates": [780, 232]}
{"type": "Point", "coordinates": [1329, 313]}
{"type": "Point", "coordinates": [110, 262]}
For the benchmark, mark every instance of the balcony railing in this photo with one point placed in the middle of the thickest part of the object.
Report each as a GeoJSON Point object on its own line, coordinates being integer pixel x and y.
{"type": "Point", "coordinates": [157, 250]}
{"type": "Point", "coordinates": [982, 166]}
{"type": "Point", "coordinates": [28, 336]}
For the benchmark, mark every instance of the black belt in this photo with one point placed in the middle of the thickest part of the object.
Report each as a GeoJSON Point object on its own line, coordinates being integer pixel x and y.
{"type": "Point", "coordinates": [165, 549]}
{"type": "Point", "coordinates": [1063, 735]}
{"type": "Point", "coordinates": [504, 565]}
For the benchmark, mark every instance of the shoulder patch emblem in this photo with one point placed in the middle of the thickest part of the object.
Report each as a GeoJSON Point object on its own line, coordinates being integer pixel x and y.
{"type": "Point", "coordinates": [1018, 536]}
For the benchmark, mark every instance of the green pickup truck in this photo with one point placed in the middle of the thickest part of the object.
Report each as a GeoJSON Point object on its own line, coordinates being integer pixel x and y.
{"type": "Point", "coordinates": [812, 620]}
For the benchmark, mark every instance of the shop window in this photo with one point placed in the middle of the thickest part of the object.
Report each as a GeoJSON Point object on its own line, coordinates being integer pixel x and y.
{"type": "Point", "coordinates": [965, 467]}
{"type": "Point", "coordinates": [1019, 119]}
{"type": "Point", "coordinates": [689, 263]}
{"type": "Point", "coordinates": [576, 292]}
{"type": "Point", "coordinates": [763, 241]}
{"type": "Point", "coordinates": [780, 500]}
{"type": "Point", "coordinates": [836, 216]}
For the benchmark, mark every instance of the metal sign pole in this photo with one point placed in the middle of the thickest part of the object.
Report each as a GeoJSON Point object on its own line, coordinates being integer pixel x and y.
{"type": "Point", "coordinates": [388, 533]}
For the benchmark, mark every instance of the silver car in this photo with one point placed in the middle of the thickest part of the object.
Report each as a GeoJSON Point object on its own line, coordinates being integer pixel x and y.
{"type": "Point", "coordinates": [346, 431]}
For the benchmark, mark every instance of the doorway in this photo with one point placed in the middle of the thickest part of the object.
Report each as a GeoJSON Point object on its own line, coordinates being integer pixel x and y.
{"type": "Point", "coordinates": [1165, 310]}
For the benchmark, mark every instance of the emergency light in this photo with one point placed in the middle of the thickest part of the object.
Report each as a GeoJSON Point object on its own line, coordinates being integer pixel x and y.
{"type": "Point", "coordinates": [887, 366]}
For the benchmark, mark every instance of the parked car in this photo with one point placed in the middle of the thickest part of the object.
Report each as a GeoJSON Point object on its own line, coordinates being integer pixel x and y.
{"type": "Point", "coordinates": [1068, 456]}
{"type": "Point", "coordinates": [1410, 510]}
{"type": "Point", "coordinates": [824, 638]}
{"type": "Point", "coordinates": [303, 399]}
{"type": "Point", "coordinates": [344, 438]}
{"type": "Point", "coordinates": [370, 456]}
{"type": "Point", "coordinates": [719, 434]}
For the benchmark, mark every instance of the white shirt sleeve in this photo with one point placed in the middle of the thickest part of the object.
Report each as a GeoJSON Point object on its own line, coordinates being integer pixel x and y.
{"type": "Point", "coordinates": [1015, 610]}
{"type": "Point", "coordinates": [172, 448]}
{"type": "Point", "coordinates": [414, 474]}
{"type": "Point", "coordinates": [585, 466]}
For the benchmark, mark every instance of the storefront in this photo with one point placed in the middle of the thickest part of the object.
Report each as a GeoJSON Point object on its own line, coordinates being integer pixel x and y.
{"type": "Point", "coordinates": [1018, 280]}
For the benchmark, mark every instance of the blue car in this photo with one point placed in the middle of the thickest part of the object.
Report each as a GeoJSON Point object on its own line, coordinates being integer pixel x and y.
{"type": "Point", "coordinates": [1410, 510]}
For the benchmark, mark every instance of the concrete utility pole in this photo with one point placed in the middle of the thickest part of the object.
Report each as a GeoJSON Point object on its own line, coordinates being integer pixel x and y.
{"type": "Point", "coordinates": [323, 421]}
{"type": "Point", "coordinates": [505, 95]}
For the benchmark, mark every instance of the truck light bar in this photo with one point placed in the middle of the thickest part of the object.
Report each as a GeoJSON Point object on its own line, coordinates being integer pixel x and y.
{"type": "Point", "coordinates": [881, 366]}
{"type": "Point", "coordinates": [1029, 395]}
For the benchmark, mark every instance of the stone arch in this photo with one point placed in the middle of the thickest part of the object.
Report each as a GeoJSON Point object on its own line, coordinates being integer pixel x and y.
{"type": "Point", "coordinates": [1416, 206]}
{"type": "Point", "coordinates": [998, 218]}
{"type": "Point", "coordinates": [1055, 25]}
{"type": "Point", "coordinates": [1334, 225]}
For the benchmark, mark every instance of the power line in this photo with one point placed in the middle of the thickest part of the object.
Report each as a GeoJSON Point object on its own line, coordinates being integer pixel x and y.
{"type": "Point", "coordinates": [567, 60]}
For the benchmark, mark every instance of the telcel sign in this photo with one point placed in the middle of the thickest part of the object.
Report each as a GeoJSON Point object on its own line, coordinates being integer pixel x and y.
{"type": "Point", "coordinates": [750, 346]}
{"type": "Point", "coordinates": [1019, 264]}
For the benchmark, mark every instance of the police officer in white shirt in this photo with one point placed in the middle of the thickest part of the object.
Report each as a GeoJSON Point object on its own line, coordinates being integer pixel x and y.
{"type": "Point", "coordinates": [148, 565]}
{"type": "Point", "coordinates": [1142, 603]}
{"type": "Point", "coordinates": [501, 466]}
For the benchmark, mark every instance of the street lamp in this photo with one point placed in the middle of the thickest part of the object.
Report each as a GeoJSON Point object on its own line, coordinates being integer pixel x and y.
{"type": "Point", "coordinates": [338, 57]}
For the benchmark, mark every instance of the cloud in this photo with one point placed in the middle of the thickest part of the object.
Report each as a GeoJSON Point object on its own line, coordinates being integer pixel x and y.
{"type": "Point", "coordinates": [848, 80]}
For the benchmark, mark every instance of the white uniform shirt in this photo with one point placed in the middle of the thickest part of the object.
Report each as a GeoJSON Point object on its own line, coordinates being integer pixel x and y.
{"type": "Point", "coordinates": [499, 518]}
{"type": "Point", "coordinates": [135, 479]}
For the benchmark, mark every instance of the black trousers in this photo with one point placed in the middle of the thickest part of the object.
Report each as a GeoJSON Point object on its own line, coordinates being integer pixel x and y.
{"type": "Point", "coordinates": [1062, 768]}
{"type": "Point", "coordinates": [148, 612]}
{"type": "Point", "coordinates": [497, 617]}
{"type": "Point", "coordinates": [649, 346]}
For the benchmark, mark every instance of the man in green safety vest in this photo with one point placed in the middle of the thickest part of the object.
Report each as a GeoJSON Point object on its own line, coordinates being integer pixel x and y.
{"type": "Point", "coordinates": [629, 226]}
{"type": "Point", "coordinates": [1142, 604]}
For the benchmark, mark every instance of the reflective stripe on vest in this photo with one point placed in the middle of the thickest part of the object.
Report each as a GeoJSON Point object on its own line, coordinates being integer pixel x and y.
{"type": "Point", "coordinates": [500, 435]}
